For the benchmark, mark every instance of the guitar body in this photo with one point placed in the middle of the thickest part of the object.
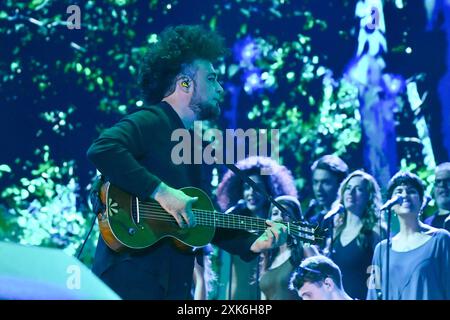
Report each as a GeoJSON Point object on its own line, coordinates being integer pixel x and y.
{"type": "Point", "coordinates": [121, 229]}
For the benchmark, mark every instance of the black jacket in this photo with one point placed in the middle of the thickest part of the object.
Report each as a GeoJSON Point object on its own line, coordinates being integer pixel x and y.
{"type": "Point", "coordinates": [135, 155]}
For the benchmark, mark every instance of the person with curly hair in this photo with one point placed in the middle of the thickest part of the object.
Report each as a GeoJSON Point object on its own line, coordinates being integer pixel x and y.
{"type": "Point", "coordinates": [419, 254]}
{"type": "Point", "coordinates": [180, 86]}
{"type": "Point", "coordinates": [357, 230]}
{"type": "Point", "coordinates": [242, 277]}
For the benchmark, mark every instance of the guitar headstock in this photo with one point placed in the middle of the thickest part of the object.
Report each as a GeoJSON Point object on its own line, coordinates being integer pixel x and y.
{"type": "Point", "coordinates": [306, 232]}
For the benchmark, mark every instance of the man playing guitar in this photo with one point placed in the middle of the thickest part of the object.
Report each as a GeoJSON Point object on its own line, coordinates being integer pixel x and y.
{"type": "Point", "coordinates": [180, 86]}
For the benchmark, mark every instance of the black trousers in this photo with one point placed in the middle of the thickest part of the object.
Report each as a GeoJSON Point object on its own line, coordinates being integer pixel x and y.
{"type": "Point", "coordinates": [162, 273]}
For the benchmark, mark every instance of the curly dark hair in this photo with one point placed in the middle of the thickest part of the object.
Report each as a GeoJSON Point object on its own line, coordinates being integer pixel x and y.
{"type": "Point", "coordinates": [176, 48]}
{"type": "Point", "coordinates": [279, 182]}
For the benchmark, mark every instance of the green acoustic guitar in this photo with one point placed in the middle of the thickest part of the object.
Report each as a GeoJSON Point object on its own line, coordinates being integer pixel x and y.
{"type": "Point", "coordinates": [129, 223]}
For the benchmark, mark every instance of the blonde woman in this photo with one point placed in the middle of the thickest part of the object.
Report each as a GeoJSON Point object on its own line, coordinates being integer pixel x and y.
{"type": "Point", "coordinates": [357, 231]}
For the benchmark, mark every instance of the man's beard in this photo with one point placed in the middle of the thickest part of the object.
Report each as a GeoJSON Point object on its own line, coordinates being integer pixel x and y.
{"type": "Point", "coordinates": [204, 111]}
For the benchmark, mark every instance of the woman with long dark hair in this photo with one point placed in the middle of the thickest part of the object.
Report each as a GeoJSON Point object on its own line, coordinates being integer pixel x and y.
{"type": "Point", "coordinates": [278, 264]}
{"type": "Point", "coordinates": [243, 277]}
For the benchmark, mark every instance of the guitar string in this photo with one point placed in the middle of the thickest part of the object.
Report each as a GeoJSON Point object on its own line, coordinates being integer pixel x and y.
{"type": "Point", "coordinates": [219, 214]}
{"type": "Point", "coordinates": [222, 217]}
{"type": "Point", "coordinates": [164, 216]}
{"type": "Point", "coordinates": [218, 218]}
{"type": "Point", "coordinates": [156, 205]}
{"type": "Point", "coordinates": [211, 221]}
{"type": "Point", "coordinates": [221, 220]}
{"type": "Point", "coordinates": [227, 219]}
{"type": "Point", "coordinates": [304, 237]}
{"type": "Point", "coordinates": [243, 227]}
{"type": "Point", "coordinates": [212, 214]}
{"type": "Point", "coordinates": [257, 228]}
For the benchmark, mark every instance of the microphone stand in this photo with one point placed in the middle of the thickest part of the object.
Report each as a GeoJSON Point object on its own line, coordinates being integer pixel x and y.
{"type": "Point", "coordinates": [258, 290]}
{"type": "Point", "coordinates": [310, 211]}
{"type": "Point", "coordinates": [388, 248]}
{"type": "Point", "coordinates": [230, 283]}
{"type": "Point", "coordinates": [328, 223]}
{"type": "Point", "coordinates": [332, 236]}
{"type": "Point", "coordinates": [388, 208]}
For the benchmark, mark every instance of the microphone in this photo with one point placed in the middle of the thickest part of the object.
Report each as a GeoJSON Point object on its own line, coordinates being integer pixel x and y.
{"type": "Point", "coordinates": [240, 205]}
{"type": "Point", "coordinates": [447, 223]}
{"type": "Point", "coordinates": [312, 203]}
{"type": "Point", "coordinates": [426, 202]}
{"type": "Point", "coordinates": [335, 210]}
{"type": "Point", "coordinates": [391, 202]}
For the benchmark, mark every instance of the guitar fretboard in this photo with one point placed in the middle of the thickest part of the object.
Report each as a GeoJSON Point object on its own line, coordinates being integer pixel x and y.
{"type": "Point", "coordinates": [152, 210]}
{"type": "Point", "coordinates": [229, 221]}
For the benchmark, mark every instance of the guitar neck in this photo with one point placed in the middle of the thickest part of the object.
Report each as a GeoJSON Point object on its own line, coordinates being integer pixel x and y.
{"type": "Point", "coordinates": [229, 221]}
{"type": "Point", "coordinates": [233, 221]}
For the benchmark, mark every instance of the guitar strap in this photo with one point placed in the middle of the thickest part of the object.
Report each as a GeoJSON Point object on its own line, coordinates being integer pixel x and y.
{"type": "Point", "coordinates": [97, 206]}
{"type": "Point", "coordinates": [94, 195]}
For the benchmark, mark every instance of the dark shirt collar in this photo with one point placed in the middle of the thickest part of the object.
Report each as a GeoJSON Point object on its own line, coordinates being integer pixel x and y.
{"type": "Point", "coordinates": [171, 113]}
